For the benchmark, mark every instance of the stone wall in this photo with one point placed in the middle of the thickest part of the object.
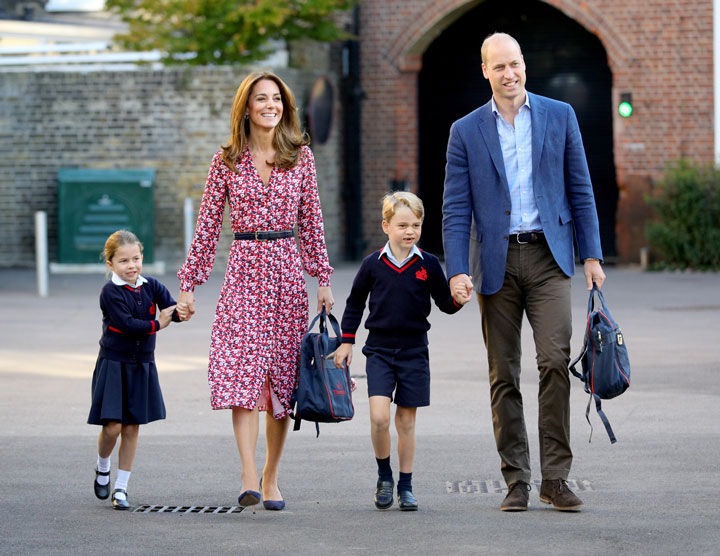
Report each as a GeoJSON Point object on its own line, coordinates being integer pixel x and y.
{"type": "Point", "coordinates": [172, 119]}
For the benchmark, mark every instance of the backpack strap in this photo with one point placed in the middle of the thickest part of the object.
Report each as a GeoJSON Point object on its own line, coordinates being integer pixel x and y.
{"type": "Point", "coordinates": [296, 426]}
{"type": "Point", "coordinates": [578, 359]}
{"type": "Point", "coordinates": [603, 418]}
{"type": "Point", "coordinates": [603, 305]}
{"type": "Point", "coordinates": [591, 303]}
{"type": "Point", "coordinates": [333, 323]}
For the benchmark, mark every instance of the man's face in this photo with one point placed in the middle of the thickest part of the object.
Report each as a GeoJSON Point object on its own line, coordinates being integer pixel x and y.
{"type": "Point", "coordinates": [504, 67]}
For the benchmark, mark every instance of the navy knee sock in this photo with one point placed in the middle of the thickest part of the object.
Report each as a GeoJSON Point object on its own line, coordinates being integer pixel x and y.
{"type": "Point", "coordinates": [405, 482]}
{"type": "Point", "coordinates": [384, 469]}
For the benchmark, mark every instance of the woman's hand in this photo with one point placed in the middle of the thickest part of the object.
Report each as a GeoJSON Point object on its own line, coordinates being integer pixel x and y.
{"type": "Point", "coordinates": [325, 298]}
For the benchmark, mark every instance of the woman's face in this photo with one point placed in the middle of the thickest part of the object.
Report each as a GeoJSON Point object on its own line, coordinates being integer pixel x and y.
{"type": "Point", "coordinates": [265, 107]}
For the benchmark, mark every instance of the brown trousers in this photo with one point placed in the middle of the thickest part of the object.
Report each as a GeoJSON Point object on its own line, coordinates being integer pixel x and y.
{"type": "Point", "coordinates": [535, 285]}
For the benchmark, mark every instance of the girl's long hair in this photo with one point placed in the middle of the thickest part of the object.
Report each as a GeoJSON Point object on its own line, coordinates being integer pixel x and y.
{"type": "Point", "coordinates": [288, 136]}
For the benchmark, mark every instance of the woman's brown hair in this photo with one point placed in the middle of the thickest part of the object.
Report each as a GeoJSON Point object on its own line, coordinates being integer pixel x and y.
{"type": "Point", "coordinates": [288, 137]}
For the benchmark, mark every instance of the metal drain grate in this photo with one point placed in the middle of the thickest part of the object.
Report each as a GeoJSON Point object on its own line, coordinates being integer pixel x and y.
{"type": "Point", "coordinates": [499, 487]}
{"type": "Point", "coordinates": [151, 509]}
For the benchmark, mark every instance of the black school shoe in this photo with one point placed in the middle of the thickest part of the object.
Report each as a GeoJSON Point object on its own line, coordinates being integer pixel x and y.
{"type": "Point", "coordinates": [407, 501]}
{"type": "Point", "coordinates": [118, 503]}
{"type": "Point", "coordinates": [102, 491]}
{"type": "Point", "coordinates": [384, 494]}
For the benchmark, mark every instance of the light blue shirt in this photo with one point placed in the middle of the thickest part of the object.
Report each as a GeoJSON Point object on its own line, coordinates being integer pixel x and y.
{"type": "Point", "coordinates": [516, 145]}
{"type": "Point", "coordinates": [386, 251]}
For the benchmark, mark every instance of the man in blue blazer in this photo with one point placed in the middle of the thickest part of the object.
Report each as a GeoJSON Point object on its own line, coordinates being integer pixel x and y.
{"type": "Point", "coordinates": [516, 188]}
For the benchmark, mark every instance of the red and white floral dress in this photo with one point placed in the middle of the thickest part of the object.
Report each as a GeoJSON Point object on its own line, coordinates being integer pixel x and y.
{"type": "Point", "coordinates": [262, 313]}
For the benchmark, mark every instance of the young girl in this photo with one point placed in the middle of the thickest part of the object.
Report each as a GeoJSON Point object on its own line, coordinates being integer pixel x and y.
{"type": "Point", "coordinates": [125, 388]}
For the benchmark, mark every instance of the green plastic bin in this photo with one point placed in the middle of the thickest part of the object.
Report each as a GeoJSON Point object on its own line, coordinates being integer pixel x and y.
{"type": "Point", "coordinates": [92, 204]}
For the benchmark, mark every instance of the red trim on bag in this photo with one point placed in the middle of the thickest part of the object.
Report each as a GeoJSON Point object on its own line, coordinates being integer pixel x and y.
{"type": "Point", "coordinates": [622, 373]}
{"type": "Point", "coordinates": [613, 326]}
{"type": "Point", "coordinates": [329, 395]}
{"type": "Point", "coordinates": [592, 368]}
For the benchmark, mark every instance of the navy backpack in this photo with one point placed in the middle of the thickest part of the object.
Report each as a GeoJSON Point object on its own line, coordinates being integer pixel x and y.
{"type": "Point", "coordinates": [604, 358]}
{"type": "Point", "coordinates": [323, 392]}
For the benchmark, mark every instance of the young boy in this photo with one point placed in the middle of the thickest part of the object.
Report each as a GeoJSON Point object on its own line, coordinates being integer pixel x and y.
{"type": "Point", "coordinates": [400, 280]}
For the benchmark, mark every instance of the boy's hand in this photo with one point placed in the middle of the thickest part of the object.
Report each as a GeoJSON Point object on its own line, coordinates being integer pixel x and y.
{"type": "Point", "coordinates": [461, 288]}
{"type": "Point", "coordinates": [165, 316]}
{"type": "Point", "coordinates": [343, 355]}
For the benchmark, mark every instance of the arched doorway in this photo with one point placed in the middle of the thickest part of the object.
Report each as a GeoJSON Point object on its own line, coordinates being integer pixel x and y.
{"type": "Point", "coordinates": [564, 61]}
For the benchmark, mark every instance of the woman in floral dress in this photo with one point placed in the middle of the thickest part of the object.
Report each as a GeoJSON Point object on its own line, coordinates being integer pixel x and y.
{"type": "Point", "coordinates": [267, 174]}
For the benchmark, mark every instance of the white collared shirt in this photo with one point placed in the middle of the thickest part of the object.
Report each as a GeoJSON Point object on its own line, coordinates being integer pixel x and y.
{"type": "Point", "coordinates": [387, 251]}
{"type": "Point", "coordinates": [120, 282]}
{"type": "Point", "coordinates": [516, 145]}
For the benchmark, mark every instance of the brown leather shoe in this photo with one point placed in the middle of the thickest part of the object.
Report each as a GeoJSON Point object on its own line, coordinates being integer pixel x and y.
{"type": "Point", "coordinates": [557, 493]}
{"type": "Point", "coordinates": [517, 497]}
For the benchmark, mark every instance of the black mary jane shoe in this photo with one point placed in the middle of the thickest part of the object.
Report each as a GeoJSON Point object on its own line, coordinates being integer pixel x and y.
{"type": "Point", "coordinates": [407, 501]}
{"type": "Point", "coordinates": [119, 503]}
{"type": "Point", "coordinates": [102, 491]}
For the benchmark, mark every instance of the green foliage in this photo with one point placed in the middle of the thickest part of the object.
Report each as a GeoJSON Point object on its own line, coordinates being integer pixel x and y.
{"type": "Point", "coordinates": [687, 231]}
{"type": "Point", "coordinates": [223, 31]}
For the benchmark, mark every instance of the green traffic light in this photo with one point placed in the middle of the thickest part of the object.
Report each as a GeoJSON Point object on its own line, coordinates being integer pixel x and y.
{"type": "Point", "coordinates": [625, 109]}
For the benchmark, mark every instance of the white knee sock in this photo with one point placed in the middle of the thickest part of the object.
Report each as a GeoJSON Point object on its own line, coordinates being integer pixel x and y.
{"type": "Point", "coordinates": [103, 465]}
{"type": "Point", "coordinates": [122, 479]}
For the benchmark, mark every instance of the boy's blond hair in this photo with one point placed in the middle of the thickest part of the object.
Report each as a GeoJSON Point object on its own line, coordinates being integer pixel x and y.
{"type": "Point", "coordinates": [391, 202]}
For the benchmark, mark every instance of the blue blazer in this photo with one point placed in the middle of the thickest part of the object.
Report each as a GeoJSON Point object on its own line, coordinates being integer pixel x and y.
{"type": "Point", "coordinates": [477, 193]}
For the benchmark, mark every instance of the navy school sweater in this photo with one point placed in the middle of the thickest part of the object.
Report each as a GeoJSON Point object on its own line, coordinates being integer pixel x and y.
{"type": "Point", "coordinates": [399, 300]}
{"type": "Point", "coordinates": [129, 323]}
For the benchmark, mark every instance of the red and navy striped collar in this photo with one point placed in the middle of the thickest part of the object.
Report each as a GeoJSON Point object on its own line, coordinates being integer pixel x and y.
{"type": "Point", "coordinates": [415, 251]}
{"type": "Point", "coordinates": [120, 282]}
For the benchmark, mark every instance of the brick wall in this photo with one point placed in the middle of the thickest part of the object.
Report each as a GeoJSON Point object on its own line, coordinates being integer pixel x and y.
{"type": "Point", "coordinates": [169, 119]}
{"type": "Point", "coordinates": [660, 50]}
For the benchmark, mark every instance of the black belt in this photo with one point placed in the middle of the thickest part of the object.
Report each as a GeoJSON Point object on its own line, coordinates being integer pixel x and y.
{"type": "Point", "coordinates": [527, 237]}
{"type": "Point", "coordinates": [264, 236]}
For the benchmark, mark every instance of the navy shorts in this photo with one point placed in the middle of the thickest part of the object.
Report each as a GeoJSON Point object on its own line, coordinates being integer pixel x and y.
{"type": "Point", "coordinates": [406, 372]}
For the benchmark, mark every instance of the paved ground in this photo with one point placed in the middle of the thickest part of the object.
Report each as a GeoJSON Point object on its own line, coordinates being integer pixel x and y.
{"type": "Point", "coordinates": [654, 492]}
